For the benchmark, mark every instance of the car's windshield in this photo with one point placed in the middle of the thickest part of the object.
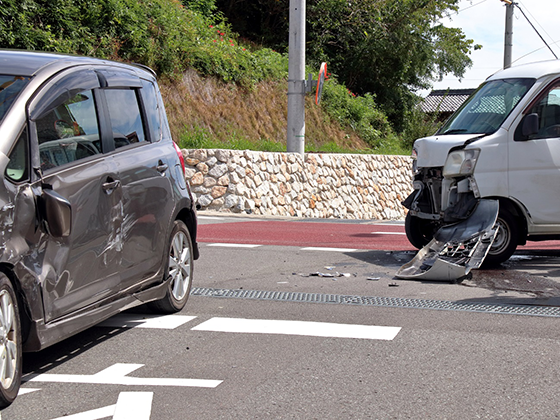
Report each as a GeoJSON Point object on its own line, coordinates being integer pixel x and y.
{"type": "Point", "coordinates": [10, 87]}
{"type": "Point", "coordinates": [487, 108]}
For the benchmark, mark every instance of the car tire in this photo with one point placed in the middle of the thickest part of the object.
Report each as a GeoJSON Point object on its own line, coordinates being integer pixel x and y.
{"type": "Point", "coordinates": [178, 272]}
{"type": "Point", "coordinates": [10, 343]}
{"type": "Point", "coordinates": [419, 231]}
{"type": "Point", "coordinates": [506, 240]}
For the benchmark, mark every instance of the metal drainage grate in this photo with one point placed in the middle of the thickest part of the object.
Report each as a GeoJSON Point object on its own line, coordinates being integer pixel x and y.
{"type": "Point", "coordinates": [389, 302]}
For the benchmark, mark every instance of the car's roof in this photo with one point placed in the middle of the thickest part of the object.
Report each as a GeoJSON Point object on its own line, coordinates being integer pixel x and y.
{"type": "Point", "coordinates": [28, 63]}
{"type": "Point", "coordinates": [532, 70]}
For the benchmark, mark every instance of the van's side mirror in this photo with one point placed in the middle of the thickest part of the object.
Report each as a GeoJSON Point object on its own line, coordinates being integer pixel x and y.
{"type": "Point", "coordinates": [56, 212]}
{"type": "Point", "coordinates": [530, 125]}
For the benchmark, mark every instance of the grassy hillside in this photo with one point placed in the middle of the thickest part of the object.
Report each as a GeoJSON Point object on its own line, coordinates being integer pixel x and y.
{"type": "Point", "coordinates": [208, 113]}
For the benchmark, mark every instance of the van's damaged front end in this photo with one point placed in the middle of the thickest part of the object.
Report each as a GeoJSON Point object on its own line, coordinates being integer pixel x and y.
{"type": "Point", "coordinates": [446, 217]}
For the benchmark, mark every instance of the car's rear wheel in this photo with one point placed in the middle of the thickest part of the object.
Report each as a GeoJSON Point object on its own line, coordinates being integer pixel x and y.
{"type": "Point", "coordinates": [10, 343]}
{"type": "Point", "coordinates": [179, 270]}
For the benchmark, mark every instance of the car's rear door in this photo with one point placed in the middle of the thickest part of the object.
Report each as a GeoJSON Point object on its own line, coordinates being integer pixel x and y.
{"type": "Point", "coordinates": [143, 165]}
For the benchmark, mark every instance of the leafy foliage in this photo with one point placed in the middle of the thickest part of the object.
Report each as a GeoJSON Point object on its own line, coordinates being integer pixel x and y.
{"type": "Point", "coordinates": [162, 34]}
{"type": "Point", "coordinates": [389, 48]}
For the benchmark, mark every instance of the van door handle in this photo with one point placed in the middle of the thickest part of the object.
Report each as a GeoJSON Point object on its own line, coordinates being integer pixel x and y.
{"type": "Point", "coordinates": [110, 186]}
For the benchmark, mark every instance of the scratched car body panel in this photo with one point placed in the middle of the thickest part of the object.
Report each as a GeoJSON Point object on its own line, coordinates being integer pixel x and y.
{"type": "Point", "coordinates": [95, 213]}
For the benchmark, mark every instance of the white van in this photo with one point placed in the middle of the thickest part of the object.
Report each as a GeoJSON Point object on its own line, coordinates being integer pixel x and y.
{"type": "Point", "coordinates": [503, 143]}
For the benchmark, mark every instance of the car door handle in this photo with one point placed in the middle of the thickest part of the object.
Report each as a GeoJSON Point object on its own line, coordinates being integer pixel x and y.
{"type": "Point", "coordinates": [162, 167]}
{"type": "Point", "coordinates": [110, 186]}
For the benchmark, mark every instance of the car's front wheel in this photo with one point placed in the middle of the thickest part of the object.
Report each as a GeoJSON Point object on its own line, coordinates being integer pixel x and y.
{"type": "Point", "coordinates": [179, 270]}
{"type": "Point", "coordinates": [10, 343]}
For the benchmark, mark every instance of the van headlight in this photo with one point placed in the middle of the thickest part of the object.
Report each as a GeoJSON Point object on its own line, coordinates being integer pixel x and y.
{"type": "Point", "coordinates": [414, 157]}
{"type": "Point", "coordinates": [460, 163]}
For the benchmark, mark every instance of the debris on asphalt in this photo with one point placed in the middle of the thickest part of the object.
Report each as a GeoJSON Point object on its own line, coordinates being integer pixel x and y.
{"type": "Point", "coordinates": [393, 285]}
{"type": "Point", "coordinates": [373, 278]}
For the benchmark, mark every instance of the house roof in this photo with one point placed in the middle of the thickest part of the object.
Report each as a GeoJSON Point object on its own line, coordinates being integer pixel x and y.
{"type": "Point", "coordinates": [445, 100]}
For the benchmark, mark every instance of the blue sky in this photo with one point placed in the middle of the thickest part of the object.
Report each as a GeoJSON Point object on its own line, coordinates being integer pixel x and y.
{"type": "Point", "coordinates": [484, 22]}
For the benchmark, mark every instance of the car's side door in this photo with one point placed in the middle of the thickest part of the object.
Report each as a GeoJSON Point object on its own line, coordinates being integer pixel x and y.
{"type": "Point", "coordinates": [143, 168]}
{"type": "Point", "coordinates": [67, 151]}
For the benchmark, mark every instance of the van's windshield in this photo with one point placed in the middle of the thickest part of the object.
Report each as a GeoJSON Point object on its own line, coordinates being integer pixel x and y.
{"type": "Point", "coordinates": [10, 87]}
{"type": "Point", "coordinates": [488, 107]}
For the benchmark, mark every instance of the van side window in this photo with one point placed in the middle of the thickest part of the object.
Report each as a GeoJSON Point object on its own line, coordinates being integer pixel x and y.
{"type": "Point", "coordinates": [69, 132]}
{"type": "Point", "coordinates": [126, 120]}
{"type": "Point", "coordinates": [17, 168]}
{"type": "Point", "coordinates": [548, 110]}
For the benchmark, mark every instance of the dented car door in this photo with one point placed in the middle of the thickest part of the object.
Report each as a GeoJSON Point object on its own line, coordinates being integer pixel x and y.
{"type": "Point", "coordinates": [81, 268]}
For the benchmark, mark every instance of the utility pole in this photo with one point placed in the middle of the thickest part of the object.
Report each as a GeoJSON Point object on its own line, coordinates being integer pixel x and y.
{"type": "Point", "coordinates": [508, 36]}
{"type": "Point", "coordinates": [296, 78]}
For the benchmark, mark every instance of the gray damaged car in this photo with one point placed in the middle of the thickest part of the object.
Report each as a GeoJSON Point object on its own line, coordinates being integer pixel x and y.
{"type": "Point", "coordinates": [95, 213]}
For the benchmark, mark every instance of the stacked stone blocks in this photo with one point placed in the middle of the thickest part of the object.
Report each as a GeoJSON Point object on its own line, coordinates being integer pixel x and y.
{"type": "Point", "coordinates": [345, 186]}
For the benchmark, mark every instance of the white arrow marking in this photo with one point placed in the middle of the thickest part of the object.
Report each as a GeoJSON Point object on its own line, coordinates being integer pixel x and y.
{"type": "Point", "coordinates": [116, 375]}
{"type": "Point", "coordinates": [97, 414]}
{"type": "Point", "coordinates": [314, 329]}
{"type": "Point", "coordinates": [167, 322]}
{"type": "Point", "coordinates": [134, 406]}
{"type": "Point", "coordinates": [23, 391]}
{"type": "Point", "coordinates": [130, 406]}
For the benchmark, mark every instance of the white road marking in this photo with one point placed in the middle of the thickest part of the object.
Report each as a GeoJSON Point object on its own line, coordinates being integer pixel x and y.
{"type": "Point", "coordinates": [167, 322]}
{"type": "Point", "coordinates": [129, 406]}
{"type": "Point", "coordinates": [134, 406]}
{"type": "Point", "coordinates": [23, 391]}
{"type": "Point", "coordinates": [312, 248]}
{"type": "Point", "coordinates": [388, 233]}
{"type": "Point", "coordinates": [97, 414]}
{"type": "Point", "coordinates": [116, 375]}
{"type": "Point", "coordinates": [235, 245]}
{"type": "Point", "coordinates": [315, 329]}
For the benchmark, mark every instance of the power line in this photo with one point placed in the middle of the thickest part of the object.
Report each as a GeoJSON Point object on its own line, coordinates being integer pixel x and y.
{"type": "Point", "coordinates": [533, 26]}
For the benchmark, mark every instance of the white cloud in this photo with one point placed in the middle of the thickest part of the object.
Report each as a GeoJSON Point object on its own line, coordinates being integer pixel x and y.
{"type": "Point", "coordinates": [484, 22]}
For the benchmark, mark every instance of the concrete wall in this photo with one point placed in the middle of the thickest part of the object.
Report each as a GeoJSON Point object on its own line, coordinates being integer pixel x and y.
{"type": "Point", "coordinates": [287, 184]}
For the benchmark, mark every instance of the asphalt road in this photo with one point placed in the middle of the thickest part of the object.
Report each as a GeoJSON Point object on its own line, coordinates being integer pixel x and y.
{"type": "Point", "coordinates": [308, 328]}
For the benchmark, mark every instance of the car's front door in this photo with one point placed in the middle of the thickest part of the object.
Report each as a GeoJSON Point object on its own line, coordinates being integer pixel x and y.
{"type": "Point", "coordinates": [83, 268]}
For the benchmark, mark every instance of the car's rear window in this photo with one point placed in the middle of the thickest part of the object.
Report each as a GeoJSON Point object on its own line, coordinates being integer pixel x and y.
{"type": "Point", "coordinates": [10, 88]}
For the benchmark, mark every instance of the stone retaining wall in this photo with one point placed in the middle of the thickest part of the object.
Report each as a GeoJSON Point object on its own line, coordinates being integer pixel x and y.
{"type": "Point", "coordinates": [287, 184]}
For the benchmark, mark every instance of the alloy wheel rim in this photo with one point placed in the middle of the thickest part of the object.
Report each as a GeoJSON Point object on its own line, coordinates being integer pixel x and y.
{"type": "Point", "coordinates": [8, 340]}
{"type": "Point", "coordinates": [180, 265]}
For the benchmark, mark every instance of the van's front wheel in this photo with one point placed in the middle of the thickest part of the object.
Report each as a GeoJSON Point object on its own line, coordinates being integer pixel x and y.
{"type": "Point", "coordinates": [506, 240]}
{"type": "Point", "coordinates": [419, 231]}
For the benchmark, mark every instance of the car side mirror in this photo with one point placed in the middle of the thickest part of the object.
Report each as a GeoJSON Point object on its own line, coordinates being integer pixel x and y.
{"type": "Point", "coordinates": [56, 212]}
{"type": "Point", "coordinates": [530, 125]}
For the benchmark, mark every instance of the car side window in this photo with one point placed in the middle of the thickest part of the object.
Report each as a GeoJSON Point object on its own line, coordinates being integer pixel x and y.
{"type": "Point", "coordinates": [17, 168]}
{"type": "Point", "coordinates": [126, 119]}
{"type": "Point", "coordinates": [152, 108]}
{"type": "Point", "coordinates": [548, 110]}
{"type": "Point", "coordinates": [69, 132]}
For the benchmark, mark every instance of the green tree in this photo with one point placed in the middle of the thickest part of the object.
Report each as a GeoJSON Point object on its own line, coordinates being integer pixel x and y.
{"type": "Point", "coordinates": [388, 48]}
